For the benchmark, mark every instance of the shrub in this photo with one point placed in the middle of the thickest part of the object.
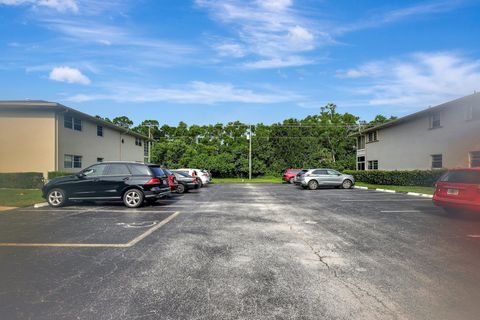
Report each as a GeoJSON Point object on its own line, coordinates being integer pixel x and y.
{"type": "Point", "coordinates": [399, 178]}
{"type": "Point", "coordinates": [54, 174]}
{"type": "Point", "coordinates": [22, 180]}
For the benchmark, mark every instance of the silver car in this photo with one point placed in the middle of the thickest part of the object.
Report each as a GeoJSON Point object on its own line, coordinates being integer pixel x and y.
{"type": "Point", "coordinates": [314, 178]}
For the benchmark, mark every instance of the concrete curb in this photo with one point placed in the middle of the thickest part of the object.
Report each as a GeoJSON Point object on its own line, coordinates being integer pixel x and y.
{"type": "Point", "coordinates": [40, 205]}
{"type": "Point", "coordinates": [424, 195]}
{"type": "Point", "coordinates": [363, 188]}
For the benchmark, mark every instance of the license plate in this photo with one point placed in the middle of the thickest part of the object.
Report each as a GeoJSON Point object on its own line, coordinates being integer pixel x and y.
{"type": "Point", "coordinates": [452, 192]}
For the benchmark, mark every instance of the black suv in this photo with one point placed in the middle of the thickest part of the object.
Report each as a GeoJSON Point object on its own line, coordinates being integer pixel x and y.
{"type": "Point", "coordinates": [131, 182]}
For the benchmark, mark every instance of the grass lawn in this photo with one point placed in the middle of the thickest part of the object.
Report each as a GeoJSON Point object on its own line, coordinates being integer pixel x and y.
{"type": "Point", "coordinates": [245, 180]}
{"type": "Point", "coordinates": [427, 190]}
{"type": "Point", "coordinates": [20, 197]}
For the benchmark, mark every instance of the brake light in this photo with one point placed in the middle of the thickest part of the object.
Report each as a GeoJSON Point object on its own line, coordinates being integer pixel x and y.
{"type": "Point", "coordinates": [194, 180]}
{"type": "Point", "coordinates": [204, 174]}
{"type": "Point", "coordinates": [154, 181]}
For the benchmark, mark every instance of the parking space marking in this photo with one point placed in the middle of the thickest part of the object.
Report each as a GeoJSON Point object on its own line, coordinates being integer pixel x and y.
{"type": "Point", "coordinates": [129, 244]}
{"type": "Point", "coordinates": [382, 200]}
{"type": "Point", "coordinates": [400, 211]}
{"type": "Point", "coordinates": [102, 211]}
{"type": "Point", "coordinates": [473, 235]}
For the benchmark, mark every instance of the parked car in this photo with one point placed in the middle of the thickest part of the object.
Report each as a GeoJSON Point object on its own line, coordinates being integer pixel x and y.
{"type": "Point", "coordinates": [298, 178]}
{"type": "Point", "coordinates": [133, 183]}
{"type": "Point", "coordinates": [204, 179]}
{"type": "Point", "coordinates": [458, 189]}
{"type": "Point", "coordinates": [289, 175]}
{"type": "Point", "coordinates": [315, 178]}
{"type": "Point", "coordinates": [172, 180]}
{"type": "Point", "coordinates": [185, 182]}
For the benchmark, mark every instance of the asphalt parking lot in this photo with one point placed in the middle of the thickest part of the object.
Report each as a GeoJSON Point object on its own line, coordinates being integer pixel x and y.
{"type": "Point", "coordinates": [242, 252]}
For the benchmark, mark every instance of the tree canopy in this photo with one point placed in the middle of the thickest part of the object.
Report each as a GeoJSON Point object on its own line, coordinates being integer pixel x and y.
{"type": "Point", "coordinates": [325, 139]}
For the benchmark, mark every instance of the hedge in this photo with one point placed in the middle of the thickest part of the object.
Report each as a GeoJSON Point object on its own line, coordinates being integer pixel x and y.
{"type": "Point", "coordinates": [21, 180]}
{"type": "Point", "coordinates": [399, 178]}
{"type": "Point", "coordinates": [54, 174]}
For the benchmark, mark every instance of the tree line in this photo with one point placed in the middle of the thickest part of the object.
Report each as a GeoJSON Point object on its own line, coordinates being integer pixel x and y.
{"type": "Point", "coordinates": [322, 140]}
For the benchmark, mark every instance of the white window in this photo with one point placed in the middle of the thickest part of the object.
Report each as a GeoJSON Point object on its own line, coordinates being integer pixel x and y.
{"type": "Point", "coordinates": [435, 120]}
{"type": "Point", "coordinates": [361, 142]}
{"type": "Point", "coordinates": [475, 159]}
{"type": "Point", "coordinates": [72, 161]}
{"type": "Point", "coordinates": [437, 161]}
{"type": "Point", "coordinates": [138, 142]}
{"type": "Point", "coordinates": [373, 136]}
{"type": "Point", "coordinates": [373, 165]}
{"type": "Point", "coordinates": [99, 131]}
{"type": "Point", "coordinates": [145, 150]}
{"type": "Point", "coordinates": [70, 122]}
{"type": "Point", "coordinates": [361, 163]}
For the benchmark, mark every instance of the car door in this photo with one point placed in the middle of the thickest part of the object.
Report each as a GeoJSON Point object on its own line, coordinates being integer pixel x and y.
{"type": "Point", "coordinates": [335, 178]}
{"type": "Point", "coordinates": [115, 180]}
{"type": "Point", "coordinates": [321, 176]}
{"type": "Point", "coordinates": [87, 184]}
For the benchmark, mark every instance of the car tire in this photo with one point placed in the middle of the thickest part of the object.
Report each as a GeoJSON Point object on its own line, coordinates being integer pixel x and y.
{"type": "Point", "coordinates": [133, 198]}
{"type": "Point", "coordinates": [291, 180]}
{"type": "Point", "coordinates": [313, 185]}
{"type": "Point", "coordinates": [56, 198]}
{"type": "Point", "coordinates": [180, 189]}
{"type": "Point", "coordinates": [347, 184]}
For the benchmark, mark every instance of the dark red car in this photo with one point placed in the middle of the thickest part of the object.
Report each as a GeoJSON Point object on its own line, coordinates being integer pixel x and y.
{"type": "Point", "coordinates": [289, 175]}
{"type": "Point", "coordinates": [459, 189]}
{"type": "Point", "coordinates": [172, 180]}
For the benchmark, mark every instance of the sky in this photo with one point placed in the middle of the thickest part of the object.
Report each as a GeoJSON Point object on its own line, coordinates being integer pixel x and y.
{"type": "Point", "coordinates": [210, 61]}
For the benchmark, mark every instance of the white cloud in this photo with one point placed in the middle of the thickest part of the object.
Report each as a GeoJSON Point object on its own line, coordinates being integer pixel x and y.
{"type": "Point", "coordinates": [291, 61]}
{"type": "Point", "coordinates": [230, 50]}
{"type": "Point", "coordinates": [70, 75]}
{"type": "Point", "coordinates": [420, 79]}
{"type": "Point", "coordinates": [267, 30]}
{"type": "Point", "coordinates": [59, 5]}
{"type": "Point", "coordinates": [196, 92]}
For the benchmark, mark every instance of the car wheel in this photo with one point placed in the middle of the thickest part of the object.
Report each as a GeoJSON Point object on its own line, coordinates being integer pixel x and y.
{"type": "Point", "coordinates": [291, 180]}
{"type": "Point", "coordinates": [56, 198]}
{"type": "Point", "coordinates": [313, 185]}
{"type": "Point", "coordinates": [133, 198]}
{"type": "Point", "coordinates": [347, 184]}
{"type": "Point", "coordinates": [181, 188]}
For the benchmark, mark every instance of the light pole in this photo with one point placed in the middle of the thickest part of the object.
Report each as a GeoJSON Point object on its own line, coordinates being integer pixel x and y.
{"type": "Point", "coordinates": [250, 152]}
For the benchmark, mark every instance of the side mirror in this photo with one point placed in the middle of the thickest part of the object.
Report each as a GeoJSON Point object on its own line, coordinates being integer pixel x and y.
{"type": "Point", "coordinates": [80, 175]}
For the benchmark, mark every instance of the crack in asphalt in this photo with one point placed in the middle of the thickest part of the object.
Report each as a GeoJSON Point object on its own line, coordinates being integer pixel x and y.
{"type": "Point", "coordinates": [346, 283]}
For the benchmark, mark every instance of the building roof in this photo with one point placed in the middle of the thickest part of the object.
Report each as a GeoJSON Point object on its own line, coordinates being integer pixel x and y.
{"type": "Point", "coordinates": [47, 105]}
{"type": "Point", "coordinates": [446, 105]}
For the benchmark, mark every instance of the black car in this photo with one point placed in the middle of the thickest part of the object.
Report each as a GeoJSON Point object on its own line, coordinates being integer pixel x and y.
{"type": "Point", "coordinates": [185, 181]}
{"type": "Point", "coordinates": [128, 181]}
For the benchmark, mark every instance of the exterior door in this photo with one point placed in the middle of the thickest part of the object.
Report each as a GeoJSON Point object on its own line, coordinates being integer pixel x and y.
{"type": "Point", "coordinates": [115, 180]}
{"type": "Point", "coordinates": [321, 176]}
{"type": "Point", "coordinates": [88, 182]}
{"type": "Point", "coordinates": [334, 178]}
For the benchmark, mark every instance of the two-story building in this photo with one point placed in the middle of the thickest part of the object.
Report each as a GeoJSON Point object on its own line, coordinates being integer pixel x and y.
{"type": "Point", "coordinates": [444, 136]}
{"type": "Point", "coordinates": [41, 136]}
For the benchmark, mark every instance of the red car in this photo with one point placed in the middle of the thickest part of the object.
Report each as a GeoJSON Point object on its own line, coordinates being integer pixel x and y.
{"type": "Point", "coordinates": [289, 175]}
{"type": "Point", "coordinates": [172, 180]}
{"type": "Point", "coordinates": [459, 189]}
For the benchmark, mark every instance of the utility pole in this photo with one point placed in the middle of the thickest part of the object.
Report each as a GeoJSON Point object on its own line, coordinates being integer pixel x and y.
{"type": "Point", "coordinates": [149, 144]}
{"type": "Point", "coordinates": [250, 153]}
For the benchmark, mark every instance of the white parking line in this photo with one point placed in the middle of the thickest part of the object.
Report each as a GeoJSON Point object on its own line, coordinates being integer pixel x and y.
{"type": "Point", "coordinates": [400, 211]}
{"type": "Point", "coordinates": [101, 211]}
{"type": "Point", "coordinates": [384, 200]}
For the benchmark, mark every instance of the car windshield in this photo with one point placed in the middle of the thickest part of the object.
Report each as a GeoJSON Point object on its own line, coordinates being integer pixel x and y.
{"type": "Point", "coordinates": [183, 174]}
{"type": "Point", "coordinates": [157, 171]}
{"type": "Point", "coordinates": [462, 176]}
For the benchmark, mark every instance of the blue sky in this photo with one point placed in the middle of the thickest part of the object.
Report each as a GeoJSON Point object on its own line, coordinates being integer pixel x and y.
{"type": "Point", "coordinates": [208, 61]}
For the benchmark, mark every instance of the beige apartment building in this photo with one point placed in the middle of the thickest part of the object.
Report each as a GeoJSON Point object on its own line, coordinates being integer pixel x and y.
{"type": "Point", "coordinates": [444, 136]}
{"type": "Point", "coordinates": [41, 136]}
